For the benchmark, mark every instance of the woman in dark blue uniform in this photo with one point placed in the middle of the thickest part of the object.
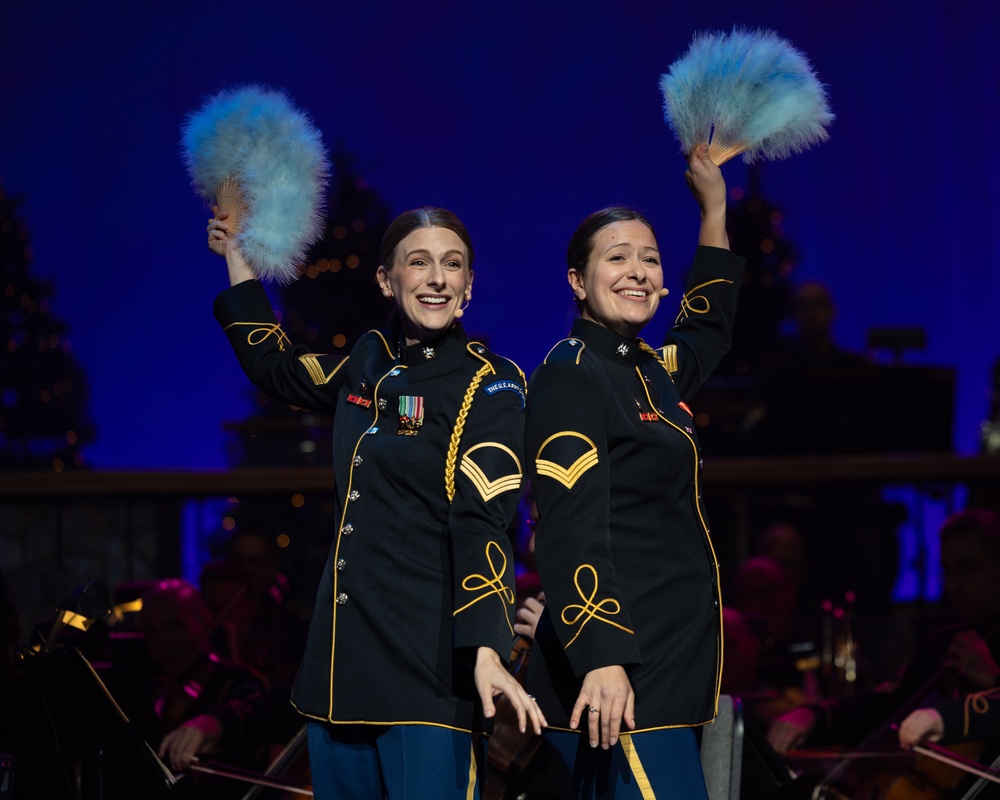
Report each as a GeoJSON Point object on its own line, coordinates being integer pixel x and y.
{"type": "Point", "coordinates": [632, 626]}
{"type": "Point", "coordinates": [414, 613]}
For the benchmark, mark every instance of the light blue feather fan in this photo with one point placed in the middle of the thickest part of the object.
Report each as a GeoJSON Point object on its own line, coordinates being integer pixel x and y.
{"type": "Point", "coordinates": [747, 92]}
{"type": "Point", "coordinates": [260, 158]}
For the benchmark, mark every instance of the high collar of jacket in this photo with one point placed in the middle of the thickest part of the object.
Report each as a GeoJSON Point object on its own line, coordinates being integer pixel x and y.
{"type": "Point", "coordinates": [605, 342]}
{"type": "Point", "coordinates": [441, 349]}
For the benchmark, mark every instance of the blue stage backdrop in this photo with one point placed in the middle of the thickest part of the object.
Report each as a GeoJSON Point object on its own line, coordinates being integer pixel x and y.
{"type": "Point", "coordinates": [520, 116]}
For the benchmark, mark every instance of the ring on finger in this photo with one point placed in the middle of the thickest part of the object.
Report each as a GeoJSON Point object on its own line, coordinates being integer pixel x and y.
{"type": "Point", "coordinates": [593, 710]}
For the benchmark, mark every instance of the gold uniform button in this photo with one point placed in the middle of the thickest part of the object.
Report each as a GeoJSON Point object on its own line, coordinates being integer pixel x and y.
{"type": "Point", "coordinates": [357, 461]}
{"type": "Point", "coordinates": [347, 530]}
{"type": "Point", "coordinates": [354, 495]}
{"type": "Point", "coordinates": [383, 404]}
{"type": "Point", "coordinates": [342, 598]}
{"type": "Point", "coordinates": [341, 563]}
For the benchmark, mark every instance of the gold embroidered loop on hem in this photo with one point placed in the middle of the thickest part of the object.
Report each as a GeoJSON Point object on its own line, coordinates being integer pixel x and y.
{"type": "Point", "coordinates": [489, 586]}
{"type": "Point", "coordinates": [590, 609]}
{"type": "Point", "coordinates": [703, 306]}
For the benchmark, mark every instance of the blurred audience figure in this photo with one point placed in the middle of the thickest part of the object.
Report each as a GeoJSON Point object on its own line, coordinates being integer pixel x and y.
{"type": "Point", "coordinates": [784, 660]}
{"type": "Point", "coordinates": [812, 344]}
{"type": "Point", "coordinates": [767, 597]}
{"type": "Point", "coordinates": [742, 648]}
{"type": "Point", "coordinates": [807, 373]}
{"type": "Point", "coordinates": [783, 542]}
{"type": "Point", "coordinates": [248, 592]}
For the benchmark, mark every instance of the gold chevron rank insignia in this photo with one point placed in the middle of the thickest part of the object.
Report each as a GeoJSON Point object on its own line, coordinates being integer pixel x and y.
{"type": "Point", "coordinates": [494, 471]}
{"type": "Point", "coordinates": [315, 369]}
{"type": "Point", "coordinates": [567, 457]}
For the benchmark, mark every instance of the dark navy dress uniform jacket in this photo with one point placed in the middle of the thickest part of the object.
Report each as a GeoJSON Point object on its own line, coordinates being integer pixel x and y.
{"type": "Point", "coordinates": [421, 570]}
{"type": "Point", "coordinates": [623, 545]}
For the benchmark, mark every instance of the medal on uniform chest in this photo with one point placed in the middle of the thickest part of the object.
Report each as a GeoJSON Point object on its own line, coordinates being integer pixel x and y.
{"type": "Point", "coordinates": [411, 415]}
{"type": "Point", "coordinates": [645, 416]}
{"type": "Point", "coordinates": [359, 399]}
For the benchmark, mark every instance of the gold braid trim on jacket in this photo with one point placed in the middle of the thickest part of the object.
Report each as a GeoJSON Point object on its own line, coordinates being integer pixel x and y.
{"type": "Point", "coordinates": [456, 433]}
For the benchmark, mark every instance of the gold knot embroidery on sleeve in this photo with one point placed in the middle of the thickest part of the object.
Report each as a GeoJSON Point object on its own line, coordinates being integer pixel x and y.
{"type": "Point", "coordinates": [486, 586]}
{"type": "Point", "coordinates": [574, 613]}
{"type": "Point", "coordinates": [977, 703]}
{"type": "Point", "coordinates": [262, 331]}
{"type": "Point", "coordinates": [697, 303]}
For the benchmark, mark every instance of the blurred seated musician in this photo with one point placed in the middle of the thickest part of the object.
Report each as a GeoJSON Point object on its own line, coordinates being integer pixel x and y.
{"type": "Point", "coordinates": [193, 683]}
{"type": "Point", "coordinates": [974, 717]}
{"type": "Point", "coordinates": [258, 626]}
{"type": "Point", "coordinates": [954, 660]}
{"type": "Point", "coordinates": [269, 719]}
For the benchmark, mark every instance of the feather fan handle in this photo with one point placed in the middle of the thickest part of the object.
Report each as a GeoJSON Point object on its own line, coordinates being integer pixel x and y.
{"type": "Point", "coordinates": [747, 92]}
{"type": "Point", "coordinates": [259, 157]}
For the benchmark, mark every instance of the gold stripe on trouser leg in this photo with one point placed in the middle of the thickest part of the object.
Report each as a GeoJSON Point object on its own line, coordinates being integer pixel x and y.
{"type": "Point", "coordinates": [636, 766]}
{"type": "Point", "coordinates": [470, 791]}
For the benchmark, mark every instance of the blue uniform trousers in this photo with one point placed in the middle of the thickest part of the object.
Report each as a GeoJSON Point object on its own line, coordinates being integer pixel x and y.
{"type": "Point", "coordinates": [662, 764]}
{"type": "Point", "coordinates": [395, 762]}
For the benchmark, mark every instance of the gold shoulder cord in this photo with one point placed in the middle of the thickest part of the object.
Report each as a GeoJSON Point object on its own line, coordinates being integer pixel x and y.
{"type": "Point", "coordinates": [668, 360]}
{"type": "Point", "coordinates": [647, 349]}
{"type": "Point", "coordinates": [456, 434]}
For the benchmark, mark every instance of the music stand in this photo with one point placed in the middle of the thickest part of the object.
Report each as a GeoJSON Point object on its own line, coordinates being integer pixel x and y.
{"type": "Point", "coordinates": [97, 743]}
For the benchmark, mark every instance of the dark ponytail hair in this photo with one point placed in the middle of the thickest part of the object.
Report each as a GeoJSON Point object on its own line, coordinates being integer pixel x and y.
{"type": "Point", "coordinates": [581, 244]}
{"type": "Point", "coordinates": [414, 219]}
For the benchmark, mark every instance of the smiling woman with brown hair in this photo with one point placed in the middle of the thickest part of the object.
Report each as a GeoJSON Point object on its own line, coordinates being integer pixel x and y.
{"type": "Point", "coordinates": [414, 614]}
{"type": "Point", "coordinates": [632, 629]}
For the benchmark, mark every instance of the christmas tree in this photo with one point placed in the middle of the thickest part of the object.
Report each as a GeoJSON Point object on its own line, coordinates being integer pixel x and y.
{"type": "Point", "coordinates": [43, 419]}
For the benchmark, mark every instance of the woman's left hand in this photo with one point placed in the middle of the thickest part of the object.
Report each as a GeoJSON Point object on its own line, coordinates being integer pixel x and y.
{"type": "Point", "coordinates": [492, 679]}
{"type": "Point", "coordinates": [706, 183]}
{"type": "Point", "coordinates": [608, 699]}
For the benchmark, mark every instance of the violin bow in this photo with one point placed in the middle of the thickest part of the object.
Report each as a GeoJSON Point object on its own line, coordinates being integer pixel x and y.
{"type": "Point", "coordinates": [211, 768]}
{"type": "Point", "coordinates": [954, 759]}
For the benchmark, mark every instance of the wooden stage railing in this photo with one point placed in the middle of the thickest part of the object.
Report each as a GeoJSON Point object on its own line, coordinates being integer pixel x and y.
{"type": "Point", "coordinates": [729, 472]}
